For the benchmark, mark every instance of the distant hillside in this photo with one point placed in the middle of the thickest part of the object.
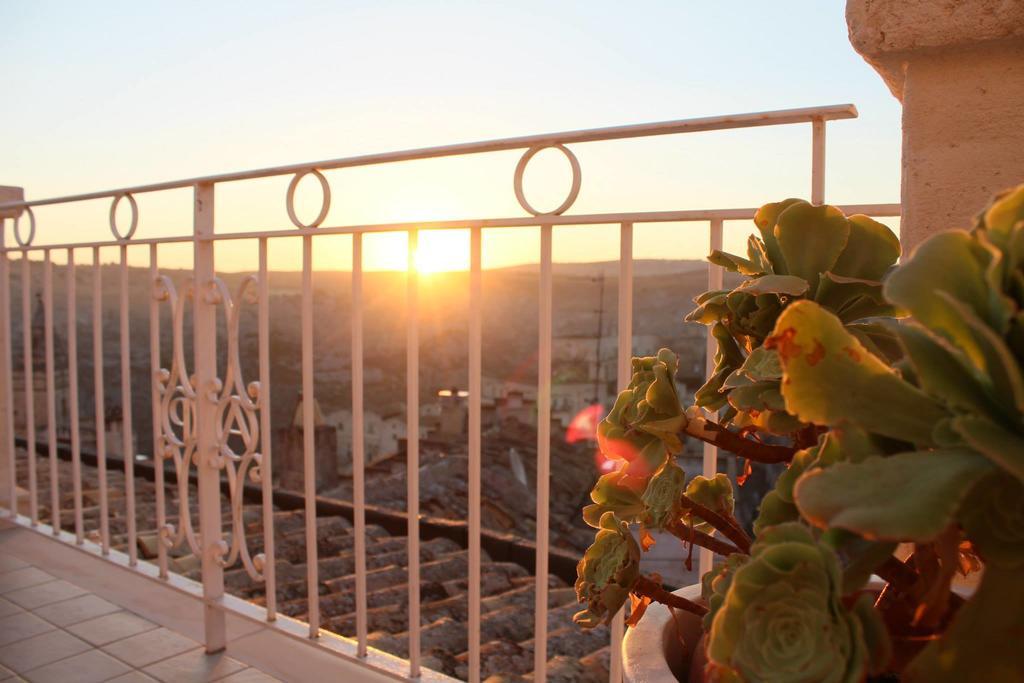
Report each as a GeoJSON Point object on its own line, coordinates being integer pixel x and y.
{"type": "Point", "coordinates": [641, 267]}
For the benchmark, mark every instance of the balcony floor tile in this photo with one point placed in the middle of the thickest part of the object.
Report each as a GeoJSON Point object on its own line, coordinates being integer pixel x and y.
{"type": "Point", "coordinates": [92, 666]}
{"type": "Point", "coordinates": [150, 647]}
{"type": "Point", "coordinates": [194, 666]}
{"type": "Point", "coordinates": [23, 578]}
{"type": "Point", "coordinates": [10, 562]}
{"type": "Point", "coordinates": [111, 627]}
{"type": "Point", "coordinates": [45, 648]}
{"type": "Point", "coordinates": [44, 594]}
{"type": "Point", "coordinates": [72, 611]}
{"type": "Point", "coordinates": [21, 626]}
{"type": "Point", "coordinates": [7, 608]}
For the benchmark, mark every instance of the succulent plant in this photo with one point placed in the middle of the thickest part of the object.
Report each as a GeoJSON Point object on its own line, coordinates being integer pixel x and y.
{"type": "Point", "coordinates": [804, 252]}
{"type": "Point", "coordinates": [607, 572]}
{"type": "Point", "coordinates": [947, 425]}
{"type": "Point", "coordinates": [782, 618]}
{"type": "Point", "coordinates": [896, 396]}
{"type": "Point", "coordinates": [642, 427]}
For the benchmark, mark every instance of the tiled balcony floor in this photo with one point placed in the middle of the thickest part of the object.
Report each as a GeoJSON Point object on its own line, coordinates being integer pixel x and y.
{"type": "Point", "coordinates": [54, 630]}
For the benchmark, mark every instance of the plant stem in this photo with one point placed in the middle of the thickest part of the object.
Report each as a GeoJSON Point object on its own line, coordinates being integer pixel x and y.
{"type": "Point", "coordinates": [897, 574]}
{"type": "Point", "coordinates": [717, 435]}
{"type": "Point", "coordinates": [648, 588]}
{"type": "Point", "coordinates": [729, 528]}
{"type": "Point", "coordinates": [685, 532]}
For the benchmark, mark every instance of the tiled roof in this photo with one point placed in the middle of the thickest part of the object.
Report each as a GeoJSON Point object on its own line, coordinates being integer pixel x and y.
{"type": "Point", "coordinates": [507, 588]}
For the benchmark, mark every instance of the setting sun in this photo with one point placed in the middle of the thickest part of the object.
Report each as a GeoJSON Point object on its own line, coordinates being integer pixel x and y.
{"type": "Point", "coordinates": [442, 250]}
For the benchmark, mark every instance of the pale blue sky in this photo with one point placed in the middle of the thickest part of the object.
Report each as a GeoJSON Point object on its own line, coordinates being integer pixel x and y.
{"type": "Point", "coordinates": [107, 94]}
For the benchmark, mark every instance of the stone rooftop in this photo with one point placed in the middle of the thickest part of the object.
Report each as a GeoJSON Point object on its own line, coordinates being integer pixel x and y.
{"type": "Point", "coordinates": [507, 588]}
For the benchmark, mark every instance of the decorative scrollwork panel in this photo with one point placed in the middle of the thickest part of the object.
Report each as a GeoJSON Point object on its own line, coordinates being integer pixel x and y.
{"type": "Point", "coordinates": [235, 407]}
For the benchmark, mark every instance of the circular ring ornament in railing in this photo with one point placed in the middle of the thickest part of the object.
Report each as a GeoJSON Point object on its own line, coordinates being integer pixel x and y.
{"type": "Point", "coordinates": [325, 207]}
{"type": "Point", "coordinates": [574, 191]}
{"type": "Point", "coordinates": [31, 228]}
{"type": "Point", "coordinates": [113, 217]}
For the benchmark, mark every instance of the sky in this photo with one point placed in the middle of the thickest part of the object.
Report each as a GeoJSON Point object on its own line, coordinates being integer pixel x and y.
{"type": "Point", "coordinates": [113, 94]}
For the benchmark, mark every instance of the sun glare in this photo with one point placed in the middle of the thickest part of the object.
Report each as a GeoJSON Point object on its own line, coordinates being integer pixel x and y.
{"type": "Point", "coordinates": [441, 251]}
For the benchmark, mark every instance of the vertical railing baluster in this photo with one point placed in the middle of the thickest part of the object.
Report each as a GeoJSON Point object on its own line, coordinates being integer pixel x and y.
{"type": "Point", "coordinates": [154, 378]}
{"type": "Point", "coordinates": [127, 448]}
{"type": "Point", "coordinates": [76, 436]}
{"type": "Point", "coordinates": [358, 443]}
{"type": "Point", "coordinates": [6, 372]}
{"type": "Point", "coordinates": [412, 446]}
{"type": "Point", "coordinates": [100, 401]}
{"type": "Point", "coordinates": [30, 396]}
{"type": "Point", "coordinates": [309, 440]}
{"type": "Point", "coordinates": [623, 376]}
{"type": "Point", "coordinates": [475, 388]}
{"type": "Point", "coordinates": [710, 462]}
{"type": "Point", "coordinates": [51, 391]}
{"type": "Point", "coordinates": [266, 439]}
{"type": "Point", "coordinates": [204, 342]}
{"type": "Point", "coordinates": [540, 655]}
{"type": "Point", "coordinates": [818, 161]}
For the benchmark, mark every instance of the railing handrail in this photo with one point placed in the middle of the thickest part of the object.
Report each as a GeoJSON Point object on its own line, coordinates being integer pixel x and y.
{"type": "Point", "coordinates": [882, 210]}
{"type": "Point", "coordinates": [693, 125]}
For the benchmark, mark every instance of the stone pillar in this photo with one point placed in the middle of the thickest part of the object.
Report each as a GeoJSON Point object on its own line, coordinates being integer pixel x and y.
{"type": "Point", "coordinates": [958, 68]}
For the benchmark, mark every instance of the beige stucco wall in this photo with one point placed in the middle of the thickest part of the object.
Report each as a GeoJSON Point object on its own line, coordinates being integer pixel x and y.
{"type": "Point", "coordinates": [958, 68]}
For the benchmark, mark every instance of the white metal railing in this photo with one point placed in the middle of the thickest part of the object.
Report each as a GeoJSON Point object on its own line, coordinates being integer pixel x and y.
{"type": "Point", "coordinates": [196, 414]}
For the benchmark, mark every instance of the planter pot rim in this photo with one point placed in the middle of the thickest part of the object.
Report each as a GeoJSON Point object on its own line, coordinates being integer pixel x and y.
{"type": "Point", "coordinates": [644, 649]}
{"type": "Point", "coordinates": [648, 647]}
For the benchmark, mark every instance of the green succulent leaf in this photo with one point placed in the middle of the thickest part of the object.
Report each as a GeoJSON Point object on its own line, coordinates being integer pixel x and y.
{"type": "Point", "coordinates": [766, 219]}
{"type": "Point", "coordinates": [993, 518]}
{"type": "Point", "coordinates": [803, 460]}
{"type": "Point", "coordinates": [811, 239]}
{"type": "Point", "coordinates": [782, 618]}
{"type": "Point", "coordinates": [879, 338]}
{"type": "Point", "coordinates": [737, 379]}
{"type": "Point", "coordinates": [870, 251]}
{"type": "Point", "coordinates": [858, 556]}
{"type": "Point", "coordinates": [775, 284]}
{"type": "Point", "coordinates": [607, 573]}
{"type": "Point", "coordinates": [728, 350]}
{"type": "Point", "coordinates": [1003, 447]}
{"type": "Point", "coordinates": [711, 308]}
{"type": "Point", "coordinates": [774, 510]}
{"type": "Point", "coordinates": [778, 506]}
{"type": "Point", "coordinates": [1002, 219]}
{"type": "Point", "coordinates": [714, 585]}
{"type": "Point", "coordinates": [759, 396]}
{"type": "Point", "coordinates": [983, 642]}
{"type": "Point", "coordinates": [642, 427]}
{"type": "Point", "coordinates": [994, 358]}
{"type": "Point", "coordinates": [876, 636]}
{"type": "Point", "coordinates": [839, 293]}
{"type": "Point", "coordinates": [661, 497]}
{"type": "Point", "coordinates": [614, 492]}
{"type": "Point", "coordinates": [733, 263]}
{"type": "Point", "coordinates": [758, 255]}
{"type": "Point", "coordinates": [762, 364]}
{"type": "Point", "coordinates": [954, 264]}
{"type": "Point", "coordinates": [830, 379]}
{"type": "Point", "coordinates": [777, 422]}
{"type": "Point", "coordinates": [944, 371]}
{"type": "Point", "coordinates": [904, 497]}
{"type": "Point", "coordinates": [710, 395]}
{"type": "Point", "coordinates": [714, 493]}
